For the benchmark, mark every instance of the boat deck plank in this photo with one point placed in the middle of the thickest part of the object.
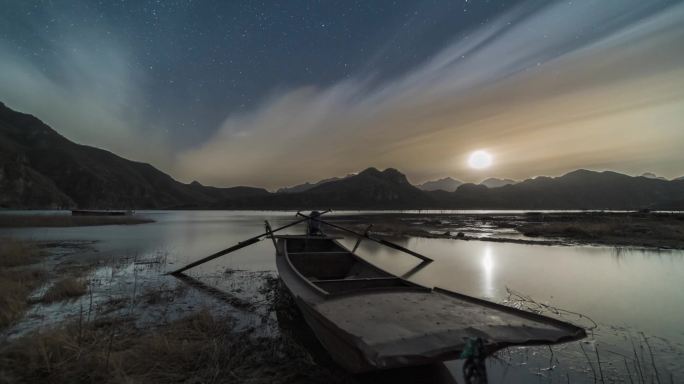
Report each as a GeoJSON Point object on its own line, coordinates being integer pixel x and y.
{"type": "Point", "coordinates": [411, 322]}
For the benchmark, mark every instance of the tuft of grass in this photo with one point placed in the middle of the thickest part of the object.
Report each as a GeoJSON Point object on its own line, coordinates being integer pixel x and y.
{"type": "Point", "coordinates": [624, 231]}
{"type": "Point", "coordinates": [199, 348]}
{"type": "Point", "coordinates": [18, 278]}
{"type": "Point", "coordinates": [65, 289]}
{"type": "Point", "coordinates": [14, 252]}
{"type": "Point", "coordinates": [15, 288]}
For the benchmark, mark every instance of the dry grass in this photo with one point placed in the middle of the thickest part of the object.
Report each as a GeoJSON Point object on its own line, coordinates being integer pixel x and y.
{"type": "Point", "coordinates": [17, 278]}
{"type": "Point", "coordinates": [14, 252]}
{"type": "Point", "coordinates": [582, 230]}
{"type": "Point", "coordinates": [619, 230]}
{"type": "Point", "coordinates": [18, 221]}
{"type": "Point", "coordinates": [64, 289]}
{"type": "Point", "coordinates": [15, 287]}
{"type": "Point", "coordinates": [197, 349]}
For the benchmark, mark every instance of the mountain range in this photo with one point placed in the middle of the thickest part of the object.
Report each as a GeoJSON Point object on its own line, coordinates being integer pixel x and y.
{"type": "Point", "coordinates": [41, 169]}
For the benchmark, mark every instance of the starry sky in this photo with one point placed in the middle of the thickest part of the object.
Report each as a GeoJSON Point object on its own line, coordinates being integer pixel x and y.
{"type": "Point", "coordinates": [273, 93]}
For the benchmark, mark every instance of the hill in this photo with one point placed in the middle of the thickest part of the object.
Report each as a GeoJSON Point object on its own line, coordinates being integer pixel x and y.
{"type": "Point", "coordinates": [369, 189]}
{"type": "Point", "coordinates": [581, 189]}
{"type": "Point", "coordinates": [493, 182]}
{"type": "Point", "coordinates": [446, 184]}
{"type": "Point", "coordinates": [305, 187]}
{"type": "Point", "coordinates": [39, 168]}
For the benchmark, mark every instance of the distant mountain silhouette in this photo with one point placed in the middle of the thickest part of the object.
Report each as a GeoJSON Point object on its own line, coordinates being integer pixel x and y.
{"type": "Point", "coordinates": [306, 186]}
{"type": "Point", "coordinates": [369, 189]}
{"type": "Point", "coordinates": [446, 184]}
{"type": "Point", "coordinates": [651, 175]}
{"type": "Point", "coordinates": [39, 168]}
{"type": "Point", "coordinates": [581, 189]}
{"type": "Point", "coordinates": [493, 182]}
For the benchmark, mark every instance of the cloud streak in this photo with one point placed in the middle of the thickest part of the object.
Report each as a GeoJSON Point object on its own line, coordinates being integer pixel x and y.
{"type": "Point", "coordinates": [592, 84]}
{"type": "Point", "coordinates": [88, 91]}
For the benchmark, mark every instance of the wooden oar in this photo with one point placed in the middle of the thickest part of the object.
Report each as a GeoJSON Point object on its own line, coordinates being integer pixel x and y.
{"type": "Point", "coordinates": [367, 236]}
{"type": "Point", "coordinates": [237, 246]}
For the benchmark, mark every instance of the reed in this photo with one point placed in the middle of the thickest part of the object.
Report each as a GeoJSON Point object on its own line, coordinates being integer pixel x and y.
{"type": "Point", "coordinates": [15, 252]}
{"type": "Point", "coordinates": [18, 277]}
{"type": "Point", "coordinates": [65, 289]}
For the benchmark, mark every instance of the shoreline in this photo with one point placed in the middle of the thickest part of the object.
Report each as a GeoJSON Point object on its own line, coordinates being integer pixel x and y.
{"type": "Point", "coordinates": [619, 229]}
{"type": "Point", "coordinates": [37, 221]}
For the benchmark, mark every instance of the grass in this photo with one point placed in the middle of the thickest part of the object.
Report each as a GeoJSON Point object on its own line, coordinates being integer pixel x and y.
{"type": "Point", "coordinates": [18, 277]}
{"type": "Point", "coordinates": [14, 252]}
{"type": "Point", "coordinates": [658, 232]}
{"type": "Point", "coordinates": [15, 288]}
{"type": "Point", "coordinates": [19, 221]}
{"type": "Point", "coordinates": [65, 289]}
{"type": "Point", "coordinates": [581, 230]}
{"type": "Point", "coordinates": [200, 346]}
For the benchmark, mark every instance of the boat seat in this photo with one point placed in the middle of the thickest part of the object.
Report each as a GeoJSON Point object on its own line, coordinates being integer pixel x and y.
{"type": "Point", "coordinates": [334, 286]}
{"type": "Point", "coordinates": [353, 279]}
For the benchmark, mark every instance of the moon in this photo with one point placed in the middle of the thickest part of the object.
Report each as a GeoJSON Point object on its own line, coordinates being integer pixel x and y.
{"type": "Point", "coordinates": [480, 160]}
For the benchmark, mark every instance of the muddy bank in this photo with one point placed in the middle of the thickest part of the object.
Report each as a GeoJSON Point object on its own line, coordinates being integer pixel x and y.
{"type": "Point", "coordinates": [630, 229]}
{"type": "Point", "coordinates": [23, 221]}
{"type": "Point", "coordinates": [32, 272]}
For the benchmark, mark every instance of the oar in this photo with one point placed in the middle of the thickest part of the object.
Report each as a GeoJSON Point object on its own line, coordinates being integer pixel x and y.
{"type": "Point", "coordinates": [239, 245]}
{"type": "Point", "coordinates": [367, 236]}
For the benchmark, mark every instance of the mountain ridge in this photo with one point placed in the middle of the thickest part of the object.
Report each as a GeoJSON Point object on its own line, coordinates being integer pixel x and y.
{"type": "Point", "coordinates": [494, 182]}
{"type": "Point", "coordinates": [447, 184]}
{"type": "Point", "coordinates": [39, 168]}
{"type": "Point", "coordinates": [37, 158]}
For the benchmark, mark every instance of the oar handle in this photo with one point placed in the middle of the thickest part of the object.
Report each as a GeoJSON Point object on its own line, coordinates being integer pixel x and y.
{"type": "Point", "coordinates": [239, 245]}
{"type": "Point", "coordinates": [226, 251]}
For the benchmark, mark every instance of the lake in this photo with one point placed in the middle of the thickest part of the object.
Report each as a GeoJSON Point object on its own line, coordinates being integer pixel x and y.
{"type": "Point", "coordinates": [635, 296]}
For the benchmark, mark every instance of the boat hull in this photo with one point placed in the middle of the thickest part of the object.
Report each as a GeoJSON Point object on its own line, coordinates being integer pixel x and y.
{"type": "Point", "coordinates": [370, 328]}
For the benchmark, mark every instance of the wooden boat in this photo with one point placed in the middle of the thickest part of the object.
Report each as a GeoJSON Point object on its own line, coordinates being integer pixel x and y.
{"type": "Point", "coordinates": [99, 212]}
{"type": "Point", "coordinates": [369, 319]}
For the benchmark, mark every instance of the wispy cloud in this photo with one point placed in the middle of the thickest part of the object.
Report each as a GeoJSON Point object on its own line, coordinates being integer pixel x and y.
{"type": "Point", "coordinates": [573, 84]}
{"type": "Point", "coordinates": [87, 90]}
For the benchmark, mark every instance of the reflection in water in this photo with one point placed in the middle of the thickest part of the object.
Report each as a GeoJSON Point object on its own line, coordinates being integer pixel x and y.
{"type": "Point", "coordinates": [488, 272]}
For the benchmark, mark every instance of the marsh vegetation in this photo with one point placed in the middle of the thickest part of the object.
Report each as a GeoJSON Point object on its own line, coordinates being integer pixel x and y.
{"type": "Point", "coordinates": [640, 229]}
{"type": "Point", "coordinates": [19, 276]}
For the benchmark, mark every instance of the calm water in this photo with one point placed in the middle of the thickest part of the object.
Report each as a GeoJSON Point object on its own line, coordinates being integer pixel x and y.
{"type": "Point", "coordinates": [626, 291]}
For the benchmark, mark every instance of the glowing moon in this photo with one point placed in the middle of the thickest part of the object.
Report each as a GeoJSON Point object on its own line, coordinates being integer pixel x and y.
{"type": "Point", "coordinates": [480, 160]}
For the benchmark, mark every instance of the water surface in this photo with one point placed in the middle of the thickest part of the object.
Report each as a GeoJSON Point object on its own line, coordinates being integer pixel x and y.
{"type": "Point", "coordinates": [626, 291]}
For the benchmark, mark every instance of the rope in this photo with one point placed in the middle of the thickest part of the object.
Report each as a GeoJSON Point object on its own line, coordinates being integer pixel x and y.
{"type": "Point", "coordinates": [474, 369]}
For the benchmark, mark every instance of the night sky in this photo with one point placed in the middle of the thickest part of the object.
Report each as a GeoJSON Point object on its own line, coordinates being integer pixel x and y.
{"type": "Point", "coordinates": [277, 93]}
